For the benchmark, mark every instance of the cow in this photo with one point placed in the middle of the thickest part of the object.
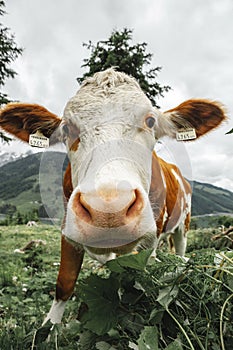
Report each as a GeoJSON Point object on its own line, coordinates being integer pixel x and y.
{"type": "Point", "coordinates": [120, 197]}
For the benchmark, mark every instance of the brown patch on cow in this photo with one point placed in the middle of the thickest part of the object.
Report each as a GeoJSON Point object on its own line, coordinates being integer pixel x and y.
{"type": "Point", "coordinates": [74, 146]}
{"type": "Point", "coordinates": [167, 198]}
{"type": "Point", "coordinates": [187, 222]}
{"type": "Point", "coordinates": [67, 183]}
{"type": "Point", "coordinates": [157, 192]}
{"type": "Point", "coordinates": [160, 222]}
{"type": "Point", "coordinates": [202, 115]}
{"type": "Point", "coordinates": [71, 262]}
{"type": "Point", "coordinates": [21, 120]}
{"type": "Point", "coordinates": [173, 194]}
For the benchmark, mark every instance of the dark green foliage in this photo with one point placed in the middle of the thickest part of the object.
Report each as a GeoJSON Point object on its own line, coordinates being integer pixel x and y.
{"type": "Point", "coordinates": [202, 239]}
{"type": "Point", "coordinates": [9, 51]}
{"type": "Point", "coordinates": [166, 304]}
{"type": "Point", "coordinates": [211, 221]}
{"type": "Point", "coordinates": [8, 209]}
{"type": "Point", "coordinates": [3, 137]}
{"type": "Point", "coordinates": [17, 218]}
{"type": "Point", "coordinates": [230, 131]}
{"type": "Point", "coordinates": [119, 52]}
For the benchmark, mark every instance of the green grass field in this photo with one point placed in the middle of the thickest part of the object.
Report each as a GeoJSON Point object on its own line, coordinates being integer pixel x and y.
{"type": "Point", "coordinates": [170, 304]}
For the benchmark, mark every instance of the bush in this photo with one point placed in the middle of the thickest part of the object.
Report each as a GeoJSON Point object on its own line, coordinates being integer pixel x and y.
{"type": "Point", "coordinates": [211, 221]}
{"type": "Point", "coordinates": [17, 218]}
{"type": "Point", "coordinates": [203, 238]}
{"type": "Point", "coordinates": [7, 209]}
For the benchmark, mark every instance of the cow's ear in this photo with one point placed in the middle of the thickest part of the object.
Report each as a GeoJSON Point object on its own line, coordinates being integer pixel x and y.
{"type": "Point", "coordinates": [22, 120]}
{"type": "Point", "coordinates": [199, 115]}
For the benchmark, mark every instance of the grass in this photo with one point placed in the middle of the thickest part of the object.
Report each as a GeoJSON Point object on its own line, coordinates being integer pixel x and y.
{"type": "Point", "coordinates": [26, 280]}
{"type": "Point", "coordinates": [129, 304]}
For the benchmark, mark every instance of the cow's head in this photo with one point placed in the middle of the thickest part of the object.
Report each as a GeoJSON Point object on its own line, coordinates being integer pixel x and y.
{"type": "Point", "coordinates": [110, 129]}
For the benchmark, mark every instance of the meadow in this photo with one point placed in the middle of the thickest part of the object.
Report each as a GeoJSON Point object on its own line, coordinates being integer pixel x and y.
{"type": "Point", "coordinates": [134, 302]}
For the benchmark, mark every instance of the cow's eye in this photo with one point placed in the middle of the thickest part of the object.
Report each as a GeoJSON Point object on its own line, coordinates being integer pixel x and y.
{"type": "Point", "coordinates": [65, 130]}
{"type": "Point", "coordinates": [150, 121]}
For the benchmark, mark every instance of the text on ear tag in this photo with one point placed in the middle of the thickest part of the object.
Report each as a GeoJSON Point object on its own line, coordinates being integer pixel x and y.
{"type": "Point", "coordinates": [38, 140]}
{"type": "Point", "coordinates": [186, 134]}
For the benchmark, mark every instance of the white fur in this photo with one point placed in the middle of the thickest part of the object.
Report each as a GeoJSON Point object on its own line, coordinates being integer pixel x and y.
{"type": "Point", "coordinates": [56, 312]}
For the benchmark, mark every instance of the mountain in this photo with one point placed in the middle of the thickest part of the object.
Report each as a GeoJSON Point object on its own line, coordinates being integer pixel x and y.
{"type": "Point", "coordinates": [36, 182]}
{"type": "Point", "coordinates": [6, 157]}
{"type": "Point", "coordinates": [209, 199]}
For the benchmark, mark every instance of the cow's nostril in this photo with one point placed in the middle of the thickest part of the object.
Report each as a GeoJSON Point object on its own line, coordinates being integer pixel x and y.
{"type": "Point", "coordinates": [135, 206]}
{"type": "Point", "coordinates": [81, 207]}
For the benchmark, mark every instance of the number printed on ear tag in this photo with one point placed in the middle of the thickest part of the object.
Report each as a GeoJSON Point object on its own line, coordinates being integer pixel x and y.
{"type": "Point", "coordinates": [186, 134]}
{"type": "Point", "coordinates": [38, 140]}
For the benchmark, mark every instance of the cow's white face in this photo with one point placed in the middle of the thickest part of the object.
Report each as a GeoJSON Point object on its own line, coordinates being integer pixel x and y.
{"type": "Point", "coordinates": [110, 135]}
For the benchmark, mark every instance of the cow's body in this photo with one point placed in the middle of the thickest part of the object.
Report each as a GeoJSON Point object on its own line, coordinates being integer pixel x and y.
{"type": "Point", "coordinates": [119, 196]}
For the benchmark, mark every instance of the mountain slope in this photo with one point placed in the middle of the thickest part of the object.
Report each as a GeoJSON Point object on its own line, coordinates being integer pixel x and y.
{"type": "Point", "coordinates": [25, 181]}
{"type": "Point", "coordinates": [33, 182]}
{"type": "Point", "coordinates": [209, 199]}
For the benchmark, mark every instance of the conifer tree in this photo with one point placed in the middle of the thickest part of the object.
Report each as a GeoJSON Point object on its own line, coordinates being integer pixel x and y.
{"type": "Point", "coordinates": [9, 51]}
{"type": "Point", "coordinates": [118, 51]}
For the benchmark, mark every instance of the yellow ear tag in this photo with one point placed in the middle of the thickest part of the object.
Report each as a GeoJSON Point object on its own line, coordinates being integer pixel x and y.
{"type": "Point", "coordinates": [186, 134]}
{"type": "Point", "coordinates": [38, 140]}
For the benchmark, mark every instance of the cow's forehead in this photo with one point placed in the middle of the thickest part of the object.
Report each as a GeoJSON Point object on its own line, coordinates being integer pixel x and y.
{"type": "Point", "coordinates": [107, 94]}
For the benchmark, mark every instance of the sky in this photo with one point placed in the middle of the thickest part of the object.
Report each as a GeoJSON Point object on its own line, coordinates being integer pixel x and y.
{"type": "Point", "coordinates": [190, 40]}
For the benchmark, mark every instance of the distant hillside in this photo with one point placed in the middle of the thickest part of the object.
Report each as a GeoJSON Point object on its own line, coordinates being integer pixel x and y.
{"type": "Point", "coordinates": [209, 199]}
{"type": "Point", "coordinates": [25, 180]}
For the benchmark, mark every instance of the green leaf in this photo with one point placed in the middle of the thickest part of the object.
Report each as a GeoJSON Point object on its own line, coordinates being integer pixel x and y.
{"type": "Point", "coordinates": [175, 345]}
{"type": "Point", "coordinates": [102, 345]}
{"type": "Point", "coordinates": [148, 339]}
{"type": "Point", "coordinates": [134, 261]}
{"type": "Point", "coordinates": [229, 132]}
{"type": "Point", "coordinates": [156, 316]}
{"type": "Point", "coordinates": [87, 340]}
{"type": "Point", "coordinates": [101, 297]}
{"type": "Point", "coordinates": [132, 323]}
{"type": "Point", "coordinates": [43, 332]}
{"type": "Point", "coordinates": [166, 295]}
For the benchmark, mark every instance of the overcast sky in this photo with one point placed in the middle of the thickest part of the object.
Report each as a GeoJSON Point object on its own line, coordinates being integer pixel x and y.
{"type": "Point", "coordinates": [191, 40]}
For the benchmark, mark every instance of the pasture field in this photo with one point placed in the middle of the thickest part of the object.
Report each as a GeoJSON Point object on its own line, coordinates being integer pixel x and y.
{"type": "Point", "coordinates": [135, 302]}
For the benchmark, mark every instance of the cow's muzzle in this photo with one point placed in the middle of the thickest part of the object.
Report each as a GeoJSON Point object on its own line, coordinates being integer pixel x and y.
{"type": "Point", "coordinates": [109, 207]}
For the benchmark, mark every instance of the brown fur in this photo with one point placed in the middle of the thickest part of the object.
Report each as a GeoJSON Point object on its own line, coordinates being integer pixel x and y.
{"type": "Point", "coordinates": [202, 115]}
{"type": "Point", "coordinates": [168, 198]}
{"type": "Point", "coordinates": [71, 262]}
{"type": "Point", "coordinates": [22, 119]}
{"type": "Point", "coordinates": [67, 183]}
